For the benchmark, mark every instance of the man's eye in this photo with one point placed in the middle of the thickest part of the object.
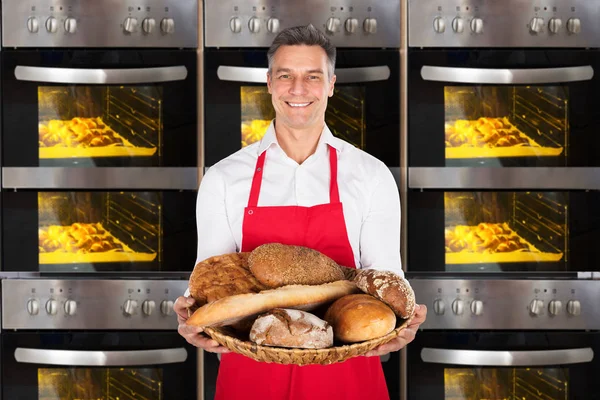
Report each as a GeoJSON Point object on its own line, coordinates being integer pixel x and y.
{"type": "Point", "coordinates": [313, 77]}
{"type": "Point", "coordinates": [284, 76]}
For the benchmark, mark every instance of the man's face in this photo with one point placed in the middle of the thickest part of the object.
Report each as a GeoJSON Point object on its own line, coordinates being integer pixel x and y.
{"type": "Point", "coordinates": [299, 85]}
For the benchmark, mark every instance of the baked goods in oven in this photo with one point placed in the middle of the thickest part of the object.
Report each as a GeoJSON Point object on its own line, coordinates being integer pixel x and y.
{"type": "Point", "coordinates": [78, 133]}
{"type": "Point", "coordinates": [80, 238]}
{"type": "Point", "coordinates": [484, 238]}
{"type": "Point", "coordinates": [360, 317]}
{"type": "Point", "coordinates": [389, 287]}
{"type": "Point", "coordinates": [291, 328]}
{"type": "Point", "coordinates": [233, 309]}
{"type": "Point", "coordinates": [254, 131]}
{"type": "Point", "coordinates": [485, 132]}
{"type": "Point", "coordinates": [222, 276]}
{"type": "Point", "coordinates": [276, 265]}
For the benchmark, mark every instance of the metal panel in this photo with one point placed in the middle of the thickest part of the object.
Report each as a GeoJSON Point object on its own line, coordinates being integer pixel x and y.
{"type": "Point", "coordinates": [101, 76]}
{"type": "Point", "coordinates": [533, 76]}
{"type": "Point", "coordinates": [507, 358]}
{"type": "Point", "coordinates": [77, 358]}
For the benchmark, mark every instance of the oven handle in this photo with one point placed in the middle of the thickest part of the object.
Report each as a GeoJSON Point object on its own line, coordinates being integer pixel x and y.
{"type": "Point", "coordinates": [507, 76]}
{"type": "Point", "coordinates": [101, 76]}
{"type": "Point", "coordinates": [507, 358]}
{"type": "Point", "coordinates": [343, 75]}
{"type": "Point", "coordinates": [100, 358]}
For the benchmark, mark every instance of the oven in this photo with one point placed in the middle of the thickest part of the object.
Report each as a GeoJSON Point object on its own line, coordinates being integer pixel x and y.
{"type": "Point", "coordinates": [365, 107]}
{"type": "Point", "coordinates": [94, 339]}
{"type": "Point", "coordinates": [506, 339]}
{"type": "Point", "coordinates": [104, 85]}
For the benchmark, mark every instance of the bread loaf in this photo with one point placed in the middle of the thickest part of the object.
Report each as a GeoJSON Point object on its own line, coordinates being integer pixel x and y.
{"type": "Point", "coordinates": [360, 317]}
{"type": "Point", "coordinates": [389, 287]}
{"type": "Point", "coordinates": [230, 310]}
{"type": "Point", "coordinates": [222, 276]}
{"type": "Point", "coordinates": [291, 328]}
{"type": "Point", "coordinates": [275, 265]}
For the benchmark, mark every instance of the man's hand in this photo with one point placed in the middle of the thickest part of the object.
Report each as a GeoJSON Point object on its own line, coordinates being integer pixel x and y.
{"type": "Point", "coordinates": [406, 336]}
{"type": "Point", "coordinates": [193, 334]}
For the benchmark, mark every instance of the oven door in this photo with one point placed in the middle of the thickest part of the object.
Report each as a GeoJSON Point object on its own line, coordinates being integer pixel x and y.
{"type": "Point", "coordinates": [483, 109]}
{"type": "Point", "coordinates": [471, 365]}
{"type": "Point", "coordinates": [97, 365]}
{"type": "Point", "coordinates": [100, 108]}
{"type": "Point", "coordinates": [503, 231]}
{"type": "Point", "coordinates": [111, 231]}
{"type": "Point", "coordinates": [364, 110]}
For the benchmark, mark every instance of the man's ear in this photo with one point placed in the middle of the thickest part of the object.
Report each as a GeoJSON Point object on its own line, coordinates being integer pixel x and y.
{"type": "Point", "coordinates": [269, 82]}
{"type": "Point", "coordinates": [332, 85]}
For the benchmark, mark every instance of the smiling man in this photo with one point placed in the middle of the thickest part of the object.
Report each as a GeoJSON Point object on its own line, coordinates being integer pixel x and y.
{"type": "Point", "coordinates": [300, 185]}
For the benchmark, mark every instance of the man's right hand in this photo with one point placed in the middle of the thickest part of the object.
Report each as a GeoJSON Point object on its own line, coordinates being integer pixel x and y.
{"type": "Point", "coordinates": [193, 334]}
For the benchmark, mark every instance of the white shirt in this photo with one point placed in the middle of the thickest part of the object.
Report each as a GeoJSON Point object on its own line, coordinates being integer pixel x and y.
{"type": "Point", "coordinates": [368, 193]}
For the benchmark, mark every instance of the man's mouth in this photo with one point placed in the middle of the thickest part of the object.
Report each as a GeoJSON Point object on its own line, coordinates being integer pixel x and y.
{"type": "Point", "coordinates": [298, 105]}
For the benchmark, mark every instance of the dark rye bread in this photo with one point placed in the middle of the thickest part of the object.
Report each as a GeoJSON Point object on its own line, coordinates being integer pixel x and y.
{"type": "Point", "coordinates": [276, 265]}
{"type": "Point", "coordinates": [389, 287]}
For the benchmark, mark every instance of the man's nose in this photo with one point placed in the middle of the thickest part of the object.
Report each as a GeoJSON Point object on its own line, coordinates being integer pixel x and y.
{"type": "Point", "coordinates": [298, 87]}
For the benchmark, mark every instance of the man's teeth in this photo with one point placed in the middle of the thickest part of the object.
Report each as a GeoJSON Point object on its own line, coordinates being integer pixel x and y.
{"type": "Point", "coordinates": [298, 104]}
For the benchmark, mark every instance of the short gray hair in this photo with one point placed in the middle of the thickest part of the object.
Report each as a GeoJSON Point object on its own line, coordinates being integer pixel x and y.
{"type": "Point", "coordinates": [303, 35]}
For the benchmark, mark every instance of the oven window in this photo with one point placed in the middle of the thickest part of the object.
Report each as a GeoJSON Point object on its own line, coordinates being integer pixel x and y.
{"type": "Point", "coordinates": [499, 228]}
{"type": "Point", "coordinates": [100, 383]}
{"type": "Point", "coordinates": [87, 122]}
{"type": "Point", "coordinates": [506, 383]}
{"type": "Point", "coordinates": [84, 228]}
{"type": "Point", "coordinates": [503, 122]}
{"type": "Point", "coordinates": [345, 115]}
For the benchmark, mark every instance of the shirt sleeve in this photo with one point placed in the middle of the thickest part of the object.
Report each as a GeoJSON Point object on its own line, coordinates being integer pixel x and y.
{"type": "Point", "coordinates": [380, 230]}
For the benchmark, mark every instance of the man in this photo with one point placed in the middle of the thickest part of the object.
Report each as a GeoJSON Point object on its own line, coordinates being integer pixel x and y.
{"type": "Point", "coordinates": [300, 185]}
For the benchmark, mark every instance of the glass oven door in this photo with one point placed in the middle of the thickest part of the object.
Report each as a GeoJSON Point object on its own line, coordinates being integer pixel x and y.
{"type": "Point", "coordinates": [503, 366]}
{"type": "Point", "coordinates": [524, 109]}
{"type": "Point", "coordinates": [116, 231]}
{"type": "Point", "coordinates": [364, 110]}
{"type": "Point", "coordinates": [111, 109]}
{"type": "Point", "coordinates": [503, 231]}
{"type": "Point", "coordinates": [95, 365]}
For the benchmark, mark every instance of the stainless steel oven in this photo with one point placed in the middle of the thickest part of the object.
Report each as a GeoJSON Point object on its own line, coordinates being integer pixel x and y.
{"type": "Point", "coordinates": [506, 339]}
{"type": "Point", "coordinates": [103, 84]}
{"type": "Point", "coordinates": [365, 108]}
{"type": "Point", "coordinates": [94, 339]}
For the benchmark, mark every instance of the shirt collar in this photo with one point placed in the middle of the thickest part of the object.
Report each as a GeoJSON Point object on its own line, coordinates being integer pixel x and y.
{"type": "Point", "coordinates": [270, 138]}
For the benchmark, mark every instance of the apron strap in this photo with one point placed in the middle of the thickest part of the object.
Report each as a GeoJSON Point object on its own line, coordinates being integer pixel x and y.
{"type": "Point", "coordinates": [334, 194]}
{"type": "Point", "coordinates": [257, 180]}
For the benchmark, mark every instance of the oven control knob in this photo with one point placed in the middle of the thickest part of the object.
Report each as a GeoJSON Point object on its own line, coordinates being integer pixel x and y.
{"type": "Point", "coordinates": [458, 25]}
{"type": "Point", "coordinates": [130, 25]}
{"type": "Point", "coordinates": [166, 307]}
{"type": "Point", "coordinates": [33, 25]}
{"type": "Point", "coordinates": [370, 25]}
{"type": "Point", "coordinates": [574, 307]}
{"type": "Point", "coordinates": [51, 25]}
{"type": "Point", "coordinates": [458, 307]}
{"type": "Point", "coordinates": [52, 307]}
{"type": "Point", "coordinates": [554, 25]}
{"type": "Point", "coordinates": [476, 307]}
{"type": "Point", "coordinates": [273, 25]}
{"type": "Point", "coordinates": [148, 307]}
{"type": "Point", "coordinates": [167, 25]}
{"type": "Point", "coordinates": [574, 25]}
{"type": "Point", "coordinates": [148, 25]}
{"type": "Point", "coordinates": [70, 307]}
{"type": "Point", "coordinates": [536, 25]}
{"type": "Point", "coordinates": [439, 25]}
{"type": "Point", "coordinates": [333, 25]}
{"type": "Point", "coordinates": [235, 24]}
{"type": "Point", "coordinates": [477, 25]}
{"type": "Point", "coordinates": [351, 25]}
{"type": "Point", "coordinates": [130, 307]}
{"type": "Point", "coordinates": [439, 307]}
{"type": "Point", "coordinates": [254, 25]}
{"type": "Point", "coordinates": [536, 307]}
{"type": "Point", "coordinates": [555, 307]}
{"type": "Point", "coordinates": [33, 307]}
{"type": "Point", "coordinates": [70, 25]}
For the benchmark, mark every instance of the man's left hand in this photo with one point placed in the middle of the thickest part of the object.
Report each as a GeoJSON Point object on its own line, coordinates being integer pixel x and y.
{"type": "Point", "coordinates": [406, 336]}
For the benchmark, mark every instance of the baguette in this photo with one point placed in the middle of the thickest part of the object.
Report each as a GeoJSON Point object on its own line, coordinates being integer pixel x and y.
{"type": "Point", "coordinates": [230, 310]}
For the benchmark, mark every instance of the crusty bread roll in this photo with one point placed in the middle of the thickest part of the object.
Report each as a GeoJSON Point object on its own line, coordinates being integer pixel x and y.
{"type": "Point", "coordinates": [360, 317]}
{"type": "Point", "coordinates": [230, 310]}
{"type": "Point", "coordinates": [276, 265]}
{"type": "Point", "coordinates": [389, 287]}
{"type": "Point", "coordinates": [284, 327]}
{"type": "Point", "coordinates": [222, 276]}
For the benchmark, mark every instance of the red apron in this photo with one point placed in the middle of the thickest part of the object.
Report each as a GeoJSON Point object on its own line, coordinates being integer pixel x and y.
{"type": "Point", "coordinates": [321, 227]}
